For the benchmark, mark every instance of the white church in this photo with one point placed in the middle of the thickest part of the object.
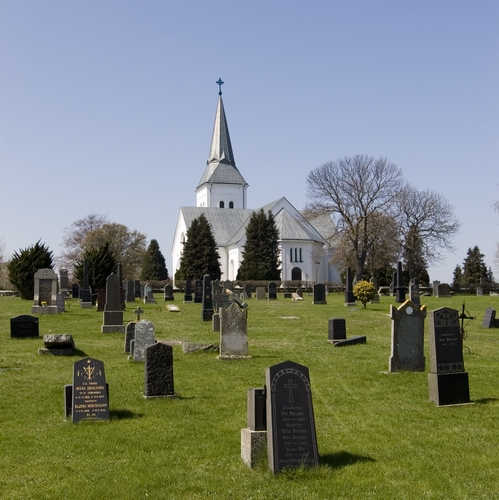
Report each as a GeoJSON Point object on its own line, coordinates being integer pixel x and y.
{"type": "Point", "coordinates": [221, 195]}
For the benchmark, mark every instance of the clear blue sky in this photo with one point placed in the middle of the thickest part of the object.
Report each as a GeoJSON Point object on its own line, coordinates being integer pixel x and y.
{"type": "Point", "coordinates": [107, 107]}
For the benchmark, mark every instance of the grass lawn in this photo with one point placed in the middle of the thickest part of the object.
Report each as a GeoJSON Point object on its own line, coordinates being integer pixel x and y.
{"type": "Point", "coordinates": [378, 434]}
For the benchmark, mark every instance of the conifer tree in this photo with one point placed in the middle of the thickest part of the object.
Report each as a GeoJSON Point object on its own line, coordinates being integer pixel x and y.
{"type": "Point", "coordinates": [101, 263]}
{"type": "Point", "coordinates": [261, 252]}
{"type": "Point", "coordinates": [153, 264]}
{"type": "Point", "coordinates": [457, 278]}
{"type": "Point", "coordinates": [23, 266]}
{"type": "Point", "coordinates": [200, 255]}
{"type": "Point", "coordinates": [474, 268]}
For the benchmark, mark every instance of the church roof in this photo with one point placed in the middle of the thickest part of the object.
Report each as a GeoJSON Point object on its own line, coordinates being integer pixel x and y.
{"type": "Point", "coordinates": [221, 166]}
{"type": "Point", "coordinates": [293, 229]}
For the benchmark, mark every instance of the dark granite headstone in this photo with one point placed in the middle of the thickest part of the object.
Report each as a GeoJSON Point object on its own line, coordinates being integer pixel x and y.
{"type": "Point", "coordinates": [291, 437]}
{"type": "Point", "coordinates": [207, 301]}
{"type": "Point", "coordinates": [272, 291]}
{"type": "Point", "coordinates": [85, 292]}
{"type": "Point", "coordinates": [443, 290]}
{"type": "Point", "coordinates": [447, 380]}
{"type": "Point", "coordinates": [337, 329]}
{"type": "Point", "coordinates": [113, 310]}
{"type": "Point", "coordinates": [256, 414]}
{"type": "Point", "coordinates": [319, 293]}
{"type": "Point", "coordinates": [90, 395]}
{"type": "Point", "coordinates": [399, 285]}
{"type": "Point", "coordinates": [75, 291]}
{"type": "Point", "coordinates": [198, 291]}
{"type": "Point", "coordinates": [247, 291]}
{"type": "Point", "coordinates": [490, 318]}
{"type": "Point", "coordinates": [228, 285]}
{"type": "Point", "coordinates": [24, 327]}
{"type": "Point", "coordinates": [169, 292]}
{"type": "Point", "coordinates": [158, 370]}
{"type": "Point", "coordinates": [129, 287]}
{"type": "Point", "coordinates": [137, 289]}
{"type": "Point", "coordinates": [349, 296]}
{"type": "Point", "coordinates": [64, 280]}
{"type": "Point", "coordinates": [188, 291]}
{"type": "Point", "coordinates": [129, 336]}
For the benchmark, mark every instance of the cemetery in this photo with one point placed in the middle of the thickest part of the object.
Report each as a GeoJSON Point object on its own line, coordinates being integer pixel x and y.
{"type": "Point", "coordinates": [140, 412]}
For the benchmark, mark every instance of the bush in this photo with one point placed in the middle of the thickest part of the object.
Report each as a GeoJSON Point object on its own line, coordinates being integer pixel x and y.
{"type": "Point", "coordinates": [364, 291]}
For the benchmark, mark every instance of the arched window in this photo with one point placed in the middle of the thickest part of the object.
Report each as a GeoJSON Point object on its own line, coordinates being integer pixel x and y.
{"type": "Point", "coordinates": [221, 204]}
{"type": "Point", "coordinates": [231, 204]}
{"type": "Point", "coordinates": [296, 274]}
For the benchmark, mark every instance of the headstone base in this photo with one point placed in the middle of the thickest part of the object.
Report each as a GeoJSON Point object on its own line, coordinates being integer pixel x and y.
{"type": "Point", "coordinates": [449, 388]}
{"type": "Point", "coordinates": [44, 310]}
{"type": "Point", "coordinates": [224, 357]}
{"type": "Point", "coordinates": [360, 339]}
{"type": "Point", "coordinates": [85, 305]}
{"type": "Point", "coordinates": [68, 399]}
{"type": "Point", "coordinates": [319, 302]}
{"type": "Point", "coordinates": [163, 396]}
{"type": "Point", "coordinates": [253, 446]}
{"type": "Point", "coordinates": [113, 329]}
{"type": "Point", "coordinates": [55, 352]}
{"type": "Point", "coordinates": [206, 314]}
{"type": "Point", "coordinates": [350, 304]}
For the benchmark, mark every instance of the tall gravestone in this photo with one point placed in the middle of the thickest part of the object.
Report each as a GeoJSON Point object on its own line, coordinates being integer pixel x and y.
{"type": "Point", "coordinates": [158, 371]}
{"type": "Point", "coordinates": [447, 381]}
{"type": "Point", "coordinates": [435, 287]}
{"type": "Point", "coordinates": [207, 302]}
{"type": "Point", "coordinates": [349, 296]}
{"type": "Point", "coordinates": [188, 291]}
{"type": "Point", "coordinates": [144, 337]}
{"type": "Point", "coordinates": [113, 312]}
{"type": "Point", "coordinates": [291, 436]}
{"type": "Point", "coordinates": [45, 296]}
{"type": "Point", "coordinates": [414, 296]}
{"type": "Point", "coordinates": [198, 291]}
{"type": "Point", "coordinates": [138, 289]}
{"type": "Point", "coordinates": [169, 292]}
{"type": "Point", "coordinates": [407, 352]}
{"type": "Point", "coordinates": [61, 302]}
{"type": "Point", "coordinates": [85, 292]}
{"type": "Point", "coordinates": [129, 287]}
{"type": "Point", "coordinates": [272, 291]}
{"type": "Point", "coordinates": [247, 291]}
{"type": "Point", "coordinates": [129, 336]}
{"type": "Point", "coordinates": [319, 293]}
{"type": "Point", "coordinates": [90, 396]}
{"type": "Point", "coordinates": [399, 285]}
{"type": "Point", "coordinates": [75, 291]}
{"type": "Point", "coordinates": [233, 332]}
{"type": "Point", "coordinates": [64, 281]}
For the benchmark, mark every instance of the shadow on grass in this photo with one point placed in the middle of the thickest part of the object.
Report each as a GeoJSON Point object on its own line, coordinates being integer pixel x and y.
{"type": "Point", "coordinates": [123, 414]}
{"type": "Point", "coordinates": [342, 459]}
{"type": "Point", "coordinates": [484, 401]}
{"type": "Point", "coordinates": [79, 353]}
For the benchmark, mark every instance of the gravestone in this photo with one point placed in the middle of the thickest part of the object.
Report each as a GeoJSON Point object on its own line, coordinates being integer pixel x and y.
{"type": "Point", "coordinates": [247, 291]}
{"type": "Point", "coordinates": [414, 295]}
{"type": "Point", "coordinates": [169, 292]}
{"type": "Point", "coordinates": [479, 291]}
{"type": "Point", "coordinates": [148, 295]}
{"type": "Point", "coordinates": [260, 293]}
{"type": "Point", "coordinates": [489, 319]}
{"type": "Point", "coordinates": [119, 273]}
{"type": "Point", "coordinates": [375, 298]}
{"type": "Point", "coordinates": [447, 381]}
{"type": "Point", "coordinates": [407, 338]}
{"type": "Point", "coordinates": [233, 332]}
{"type": "Point", "coordinates": [296, 296]}
{"type": "Point", "coordinates": [138, 289]}
{"type": "Point", "coordinates": [113, 312]}
{"type": "Point", "coordinates": [349, 296]}
{"type": "Point", "coordinates": [144, 336]}
{"type": "Point", "coordinates": [443, 290]}
{"type": "Point", "coordinates": [399, 285]}
{"type": "Point", "coordinates": [319, 293]}
{"type": "Point", "coordinates": [299, 291]}
{"type": "Point", "coordinates": [228, 285]}
{"type": "Point", "coordinates": [337, 329]}
{"type": "Point", "coordinates": [63, 276]}
{"type": "Point", "coordinates": [158, 371]}
{"type": "Point", "coordinates": [272, 291]}
{"type": "Point", "coordinates": [291, 437]}
{"type": "Point", "coordinates": [207, 302]}
{"type": "Point", "coordinates": [45, 294]}
{"type": "Point", "coordinates": [129, 287]}
{"type": "Point", "coordinates": [188, 291]}
{"type": "Point", "coordinates": [90, 396]}
{"type": "Point", "coordinates": [435, 287]}
{"type": "Point", "coordinates": [24, 327]}
{"type": "Point", "coordinates": [61, 302]}
{"type": "Point", "coordinates": [75, 291]}
{"type": "Point", "coordinates": [85, 292]}
{"type": "Point", "coordinates": [254, 437]}
{"type": "Point", "coordinates": [215, 322]}
{"type": "Point", "coordinates": [217, 298]}
{"type": "Point", "coordinates": [129, 336]}
{"type": "Point", "coordinates": [198, 291]}
{"type": "Point", "coordinates": [61, 344]}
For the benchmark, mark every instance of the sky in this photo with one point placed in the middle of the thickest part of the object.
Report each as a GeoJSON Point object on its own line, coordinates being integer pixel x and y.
{"type": "Point", "coordinates": [108, 107]}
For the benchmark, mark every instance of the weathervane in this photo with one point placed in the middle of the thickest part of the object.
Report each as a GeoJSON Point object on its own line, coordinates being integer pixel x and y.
{"type": "Point", "coordinates": [219, 83]}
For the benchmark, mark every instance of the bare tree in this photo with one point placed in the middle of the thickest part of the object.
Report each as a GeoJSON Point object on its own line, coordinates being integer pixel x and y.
{"type": "Point", "coordinates": [354, 191]}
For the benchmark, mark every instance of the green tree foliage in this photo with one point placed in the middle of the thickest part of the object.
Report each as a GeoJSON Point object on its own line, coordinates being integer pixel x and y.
{"type": "Point", "coordinates": [200, 254]}
{"type": "Point", "coordinates": [415, 264]}
{"type": "Point", "coordinates": [261, 252]}
{"type": "Point", "coordinates": [153, 264]}
{"type": "Point", "coordinates": [23, 266]}
{"type": "Point", "coordinates": [474, 268]}
{"type": "Point", "coordinates": [101, 263]}
{"type": "Point", "coordinates": [364, 291]}
{"type": "Point", "coordinates": [457, 278]}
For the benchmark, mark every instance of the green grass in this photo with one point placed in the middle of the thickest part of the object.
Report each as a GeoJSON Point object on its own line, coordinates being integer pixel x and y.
{"type": "Point", "coordinates": [378, 434]}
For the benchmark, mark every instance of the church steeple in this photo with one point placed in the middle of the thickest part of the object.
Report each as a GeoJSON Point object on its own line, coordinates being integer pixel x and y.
{"type": "Point", "coordinates": [221, 178]}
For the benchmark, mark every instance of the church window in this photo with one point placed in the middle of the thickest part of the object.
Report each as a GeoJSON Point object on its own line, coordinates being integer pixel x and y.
{"type": "Point", "coordinates": [291, 255]}
{"type": "Point", "coordinates": [231, 204]}
{"type": "Point", "coordinates": [300, 256]}
{"type": "Point", "coordinates": [296, 254]}
{"type": "Point", "coordinates": [222, 204]}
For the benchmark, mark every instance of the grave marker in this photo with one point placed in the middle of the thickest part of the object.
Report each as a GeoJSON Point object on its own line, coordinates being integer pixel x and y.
{"type": "Point", "coordinates": [489, 319]}
{"type": "Point", "coordinates": [113, 312]}
{"type": "Point", "coordinates": [319, 293]}
{"type": "Point", "coordinates": [24, 327]}
{"type": "Point", "coordinates": [158, 371]}
{"type": "Point", "coordinates": [233, 332]}
{"type": "Point", "coordinates": [45, 292]}
{"type": "Point", "coordinates": [144, 336]}
{"type": "Point", "coordinates": [349, 296]}
{"type": "Point", "coordinates": [188, 291]}
{"type": "Point", "coordinates": [272, 291]}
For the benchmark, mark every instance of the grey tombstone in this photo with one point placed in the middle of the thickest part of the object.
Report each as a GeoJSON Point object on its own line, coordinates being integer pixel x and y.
{"type": "Point", "coordinates": [158, 371]}
{"type": "Point", "coordinates": [215, 322]}
{"type": "Point", "coordinates": [129, 287]}
{"type": "Point", "coordinates": [247, 291]}
{"type": "Point", "coordinates": [254, 437]}
{"type": "Point", "coordinates": [57, 344]}
{"type": "Point", "coordinates": [375, 298]}
{"type": "Point", "coordinates": [129, 336]}
{"type": "Point", "coordinates": [217, 297]}
{"type": "Point", "coordinates": [233, 332]}
{"type": "Point", "coordinates": [229, 285]}
{"type": "Point", "coordinates": [169, 292]}
{"type": "Point", "coordinates": [198, 291]}
{"type": "Point", "coordinates": [144, 336]}
{"type": "Point", "coordinates": [45, 293]}
{"type": "Point", "coordinates": [414, 295]}
{"type": "Point", "coordinates": [113, 312]}
{"type": "Point", "coordinates": [479, 291]}
{"type": "Point", "coordinates": [90, 395]}
{"type": "Point", "coordinates": [85, 292]}
{"type": "Point", "coordinates": [349, 296]}
{"type": "Point", "coordinates": [61, 302]}
{"type": "Point", "coordinates": [489, 319]}
{"type": "Point", "coordinates": [443, 290]}
{"type": "Point", "coordinates": [319, 293]}
{"type": "Point", "coordinates": [63, 276]}
{"type": "Point", "coordinates": [447, 381]}
{"type": "Point", "coordinates": [207, 302]}
{"type": "Point", "coordinates": [407, 352]}
{"type": "Point", "coordinates": [272, 291]}
{"type": "Point", "coordinates": [260, 293]}
{"type": "Point", "coordinates": [399, 285]}
{"type": "Point", "coordinates": [148, 295]}
{"type": "Point", "coordinates": [24, 327]}
{"type": "Point", "coordinates": [291, 436]}
{"type": "Point", "coordinates": [188, 291]}
{"type": "Point", "coordinates": [435, 287]}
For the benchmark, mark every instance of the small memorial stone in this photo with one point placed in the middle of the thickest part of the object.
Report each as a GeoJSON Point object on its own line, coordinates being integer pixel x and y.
{"type": "Point", "coordinates": [158, 371]}
{"type": "Point", "coordinates": [319, 293]}
{"type": "Point", "coordinates": [272, 291]}
{"type": "Point", "coordinates": [57, 344]}
{"type": "Point", "coordinates": [247, 291]}
{"type": "Point", "coordinates": [169, 292]}
{"type": "Point", "coordinates": [260, 293]}
{"type": "Point", "coordinates": [188, 291]}
{"type": "Point", "coordinates": [144, 336]}
{"type": "Point", "coordinates": [24, 326]}
{"type": "Point", "coordinates": [489, 319]}
{"type": "Point", "coordinates": [61, 302]}
{"type": "Point", "coordinates": [129, 336]}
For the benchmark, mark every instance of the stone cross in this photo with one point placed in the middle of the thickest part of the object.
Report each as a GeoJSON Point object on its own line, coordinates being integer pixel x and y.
{"type": "Point", "coordinates": [290, 386]}
{"type": "Point", "coordinates": [138, 311]}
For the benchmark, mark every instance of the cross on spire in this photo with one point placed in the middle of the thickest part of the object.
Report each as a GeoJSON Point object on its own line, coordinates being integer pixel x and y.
{"type": "Point", "coordinates": [219, 83]}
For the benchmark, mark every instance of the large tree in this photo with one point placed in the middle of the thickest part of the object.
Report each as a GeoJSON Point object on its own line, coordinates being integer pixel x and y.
{"type": "Point", "coordinates": [200, 254]}
{"type": "Point", "coordinates": [101, 263]}
{"type": "Point", "coordinates": [474, 268]}
{"type": "Point", "coordinates": [354, 191]}
{"type": "Point", "coordinates": [153, 264]}
{"type": "Point", "coordinates": [24, 264]}
{"type": "Point", "coordinates": [413, 255]}
{"type": "Point", "coordinates": [261, 252]}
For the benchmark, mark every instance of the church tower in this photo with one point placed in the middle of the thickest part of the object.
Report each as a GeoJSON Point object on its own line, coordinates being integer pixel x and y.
{"type": "Point", "coordinates": [222, 185]}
